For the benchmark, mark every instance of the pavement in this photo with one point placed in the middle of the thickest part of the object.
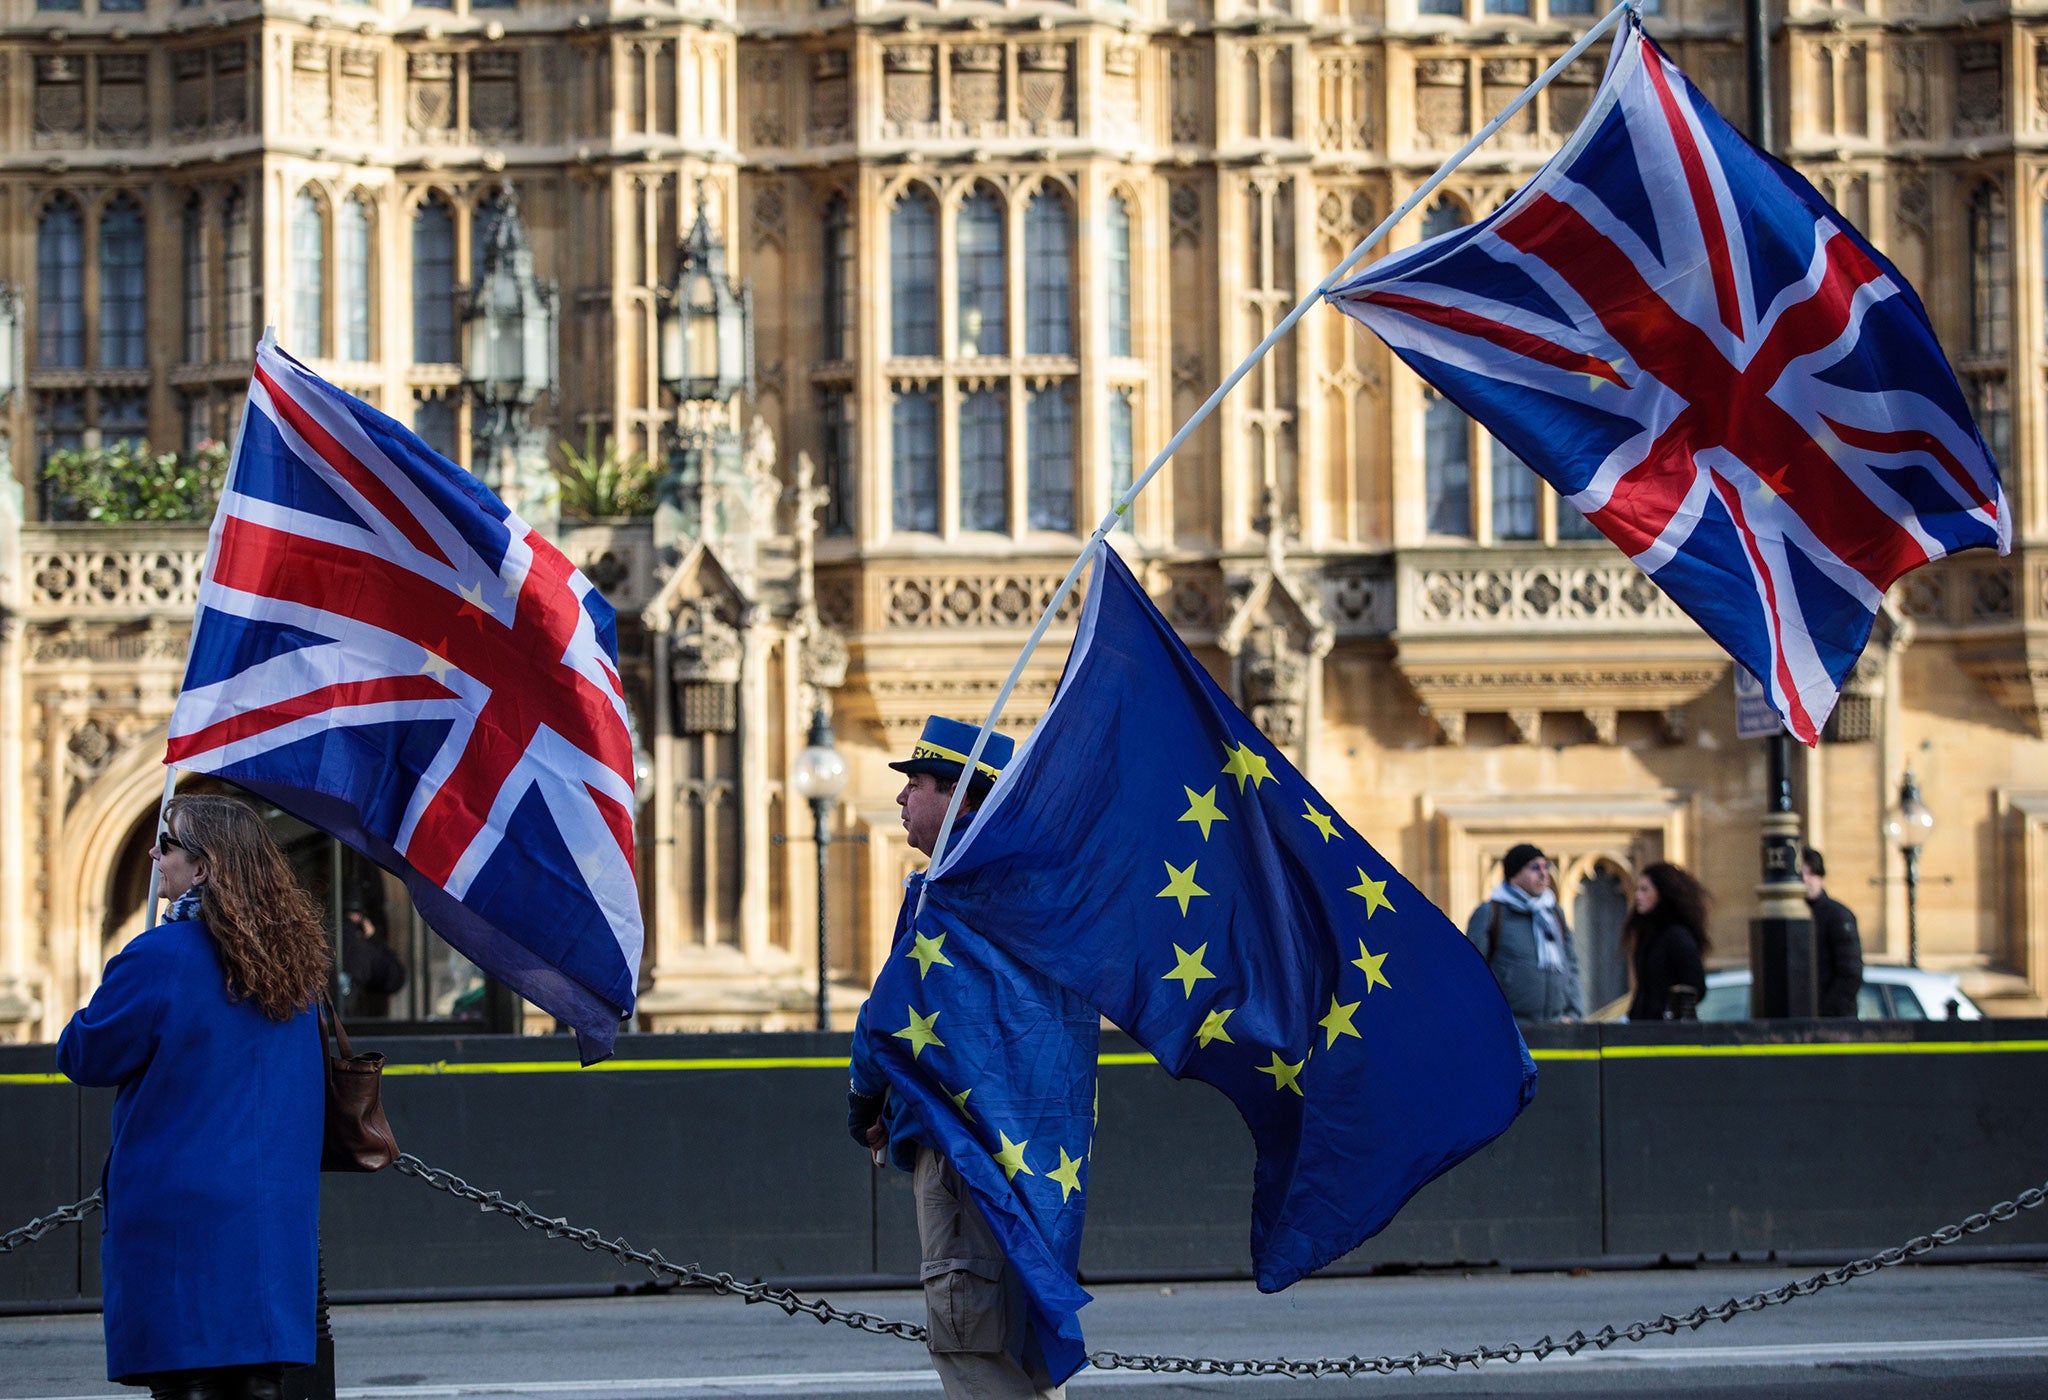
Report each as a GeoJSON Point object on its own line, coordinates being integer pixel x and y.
{"type": "Point", "coordinates": [1978, 1331]}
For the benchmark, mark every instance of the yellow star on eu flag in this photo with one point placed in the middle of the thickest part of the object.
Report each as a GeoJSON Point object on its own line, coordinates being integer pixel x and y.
{"type": "Point", "coordinates": [960, 1099]}
{"type": "Point", "coordinates": [1338, 1022]}
{"type": "Point", "coordinates": [919, 1033]}
{"type": "Point", "coordinates": [1188, 968]}
{"type": "Point", "coordinates": [1212, 1028]}
{"type": "Point", "coordinates": [1067, 1174]}
{"type": "Point", "coordinates": [1180, 885]}
{"type": "Point", "coordinates": [1373, 892]}
{"type": "Point", "coordinates": [1246, 764]}
{"type": "Point", "coordinates": [1011, 1158]}
{"type": "Point", "coordinates": [926, 952]}
{"type": "Point", "coordinates": [1202, 808]}
{"type": "Point", "coordinates": [1285, 1076]}
{"type": "Point", "coordinates": [1369, 964]}
{"type": "Point", "coordinates": [1321, 822]}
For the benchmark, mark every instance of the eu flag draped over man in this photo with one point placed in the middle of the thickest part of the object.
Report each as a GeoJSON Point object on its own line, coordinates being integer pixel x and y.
{"type": "Point", "coordinates": [1152, 853]}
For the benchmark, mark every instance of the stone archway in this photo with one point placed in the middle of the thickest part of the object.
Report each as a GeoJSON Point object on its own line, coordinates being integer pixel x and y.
{"type": "Point", "coordinates": [83, 866]}
{"type": "Point", "coordinates": [1594, 887]}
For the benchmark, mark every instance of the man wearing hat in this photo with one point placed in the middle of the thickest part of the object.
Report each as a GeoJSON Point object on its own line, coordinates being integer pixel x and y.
{"type": "Point", "coordinates": [974, 1309]}
{"type": "Point", "coordinates": [1526, 941]}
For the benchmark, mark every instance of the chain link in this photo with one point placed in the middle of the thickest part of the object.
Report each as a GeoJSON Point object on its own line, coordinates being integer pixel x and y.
{"type": "Point", "coordinates": [689, 1275]}
{"type": "Point", "coordinates": [43, 1224]}
{"type": "Point", "coordinates": [693, 1276]}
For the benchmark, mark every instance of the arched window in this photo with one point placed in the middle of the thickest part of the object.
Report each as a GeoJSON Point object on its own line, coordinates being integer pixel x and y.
{"type": "Point", "coordinates": [1122, 451]}
{"type": "Point", "coordinates": [1117, 238]}
{"type": "Point", "coordinates": [60, 286]}
{"type": "Point", "coordinates": [984, 290]}
{"type": "Point", "coordinates": [838, 286]}
{"type": "Point", "coordinates": [309, 274]}
{"type": "Point", "coordinates": [984, 461]}
{"type": "Point", "coordinates": [1049, 274]}
{"type": "Point", "coordinates": [192, 257]}
{"type": "Point", "coordinates": [1990, 257]}
{"type": "Point", "coordinates": [914, 440]}
{"type": "Point", "coordinates": [237, 277]}
{"type": "Point", "coordinates": [1446, 466]}
{"type": "Point", "coordinates": [353, 285]}
{"type": "Point", "coordinates": [1443, 216]}
{"type": "Point", "coordinates": [122, 311]}
{"type": "Point", "coordinates": [433, 284]}
{"type": "Point", "coordinates": [1049, 462]}
{"type": "Point", "coordinates": [914, 275]}
{"type": "Point", "coordinates": [1514, 494]}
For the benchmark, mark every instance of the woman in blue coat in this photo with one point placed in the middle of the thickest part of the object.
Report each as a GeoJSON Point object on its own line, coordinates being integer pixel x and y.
{"type": "Point", "coordinates": [210, 1250]}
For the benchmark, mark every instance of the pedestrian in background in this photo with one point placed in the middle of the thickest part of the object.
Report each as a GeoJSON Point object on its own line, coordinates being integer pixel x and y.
{"type": "Point", "coordinates": [1666, 941]}
{"type": "Point", "coordinates": [1837, 947]}
{"type": "Point", "coordinates": [210, 1248]}
{"type": "Point", "coordinates": [1527, 943]}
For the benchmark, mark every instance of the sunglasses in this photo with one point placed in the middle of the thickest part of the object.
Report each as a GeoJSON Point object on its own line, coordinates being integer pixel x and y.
{"type": "Point", "coordinates": [167, 842]}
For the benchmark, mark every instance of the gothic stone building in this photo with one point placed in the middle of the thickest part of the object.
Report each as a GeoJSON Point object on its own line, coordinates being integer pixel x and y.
{"type": "Point", "coordinates": [997, 252]}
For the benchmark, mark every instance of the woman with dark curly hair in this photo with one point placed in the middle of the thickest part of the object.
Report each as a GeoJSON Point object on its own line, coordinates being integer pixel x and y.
{"type": "Point", "coordinates": [1666, 940]}
{"type": "Point", "coordinates": [210, 1250]}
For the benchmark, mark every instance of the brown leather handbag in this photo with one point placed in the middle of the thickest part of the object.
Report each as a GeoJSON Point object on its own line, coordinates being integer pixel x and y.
{"type": "Point", "coordinates": [358, 1137]}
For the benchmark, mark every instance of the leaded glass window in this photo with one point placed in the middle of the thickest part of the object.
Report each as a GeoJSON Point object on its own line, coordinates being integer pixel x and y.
{"type": "Point", "coordinates": [984, 461]}
{"type": "Point", "coordinates": [984, 283]}
{"type": "Point", "coordinates": [354, 283]}
{"type": "Point", "coordinates": [1049, 460]}
{"type": "Point", "coordinates": [433, 283]}
{"type": "Point", "coordinates": [60, 286]}
{"type": "Point", "coordinates": [1049, 274]}
{"type": "Point", "coordinates": [1447, 466]}
{"type": "Point", "coordinates": [914, 275]}
{"type": "Point", "coordinates": [1117, 237]}
{"type": "Point", "coordinates": [309, 274]}
{"type": "Point", "coordinates": [914, 442]}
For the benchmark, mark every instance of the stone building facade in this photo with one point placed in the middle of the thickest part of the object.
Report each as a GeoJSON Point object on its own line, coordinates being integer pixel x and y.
{"type": "Point", "coordinates": [997, 252]}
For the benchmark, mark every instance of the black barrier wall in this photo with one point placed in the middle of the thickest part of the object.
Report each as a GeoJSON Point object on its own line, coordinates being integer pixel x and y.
{"type": "Point", "coordinates": [731, 1151]}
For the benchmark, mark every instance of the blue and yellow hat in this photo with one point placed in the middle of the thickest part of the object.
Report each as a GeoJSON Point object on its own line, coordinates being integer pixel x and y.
{"type": "Point", "coordinates": [943, 748]}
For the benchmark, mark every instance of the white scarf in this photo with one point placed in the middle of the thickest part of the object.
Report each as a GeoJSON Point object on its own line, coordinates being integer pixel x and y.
{"type": "Point", "coordinates": [1542, 912]}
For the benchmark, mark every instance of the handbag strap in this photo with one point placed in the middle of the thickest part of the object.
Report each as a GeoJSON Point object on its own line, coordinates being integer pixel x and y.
{"type": "Point", "coordinates": [332, 1022]}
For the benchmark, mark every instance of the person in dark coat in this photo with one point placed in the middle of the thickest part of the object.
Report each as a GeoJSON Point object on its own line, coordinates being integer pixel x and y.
{"type": "Point", "coordinates": [210, 1248]}
{"type": "Point", "coordinates": [1666, 940]}
{"type": "Point", "coordinates": [1521, 932]}
{"type": "Point", "coordinates": [1837, 947]}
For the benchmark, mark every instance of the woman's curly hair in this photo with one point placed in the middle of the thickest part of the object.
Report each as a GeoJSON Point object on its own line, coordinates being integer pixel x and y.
{"type": "Point", "coordinates": [266, 926]}
{"type": "Point", "coordinates": [1681, 900]}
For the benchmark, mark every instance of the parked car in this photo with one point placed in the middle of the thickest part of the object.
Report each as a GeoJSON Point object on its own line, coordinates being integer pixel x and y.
{"type": "Point", "coordinates": [1888, 994]}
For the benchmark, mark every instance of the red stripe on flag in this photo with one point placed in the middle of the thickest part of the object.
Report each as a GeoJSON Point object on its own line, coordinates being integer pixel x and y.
{"type": "Point", "coordinates": [1712, 233]}
{"type": "Point", "coordinates": [383, 690]}
{"type": "Point", "coordinates": [1522, 343]}
{"type": "Point", "coordinates": [373, 489]}
{"type": "Point", "coordinates": [1803, 727]}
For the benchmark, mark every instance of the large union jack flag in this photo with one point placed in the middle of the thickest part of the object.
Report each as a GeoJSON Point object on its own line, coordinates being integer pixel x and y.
{"type": "Point", "coordinates": [1681, 336]}
{"type": "Point", "coordinates": [386, 651]}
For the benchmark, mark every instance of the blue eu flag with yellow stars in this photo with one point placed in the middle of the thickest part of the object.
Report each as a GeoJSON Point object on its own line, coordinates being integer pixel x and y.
{"type": "Point", "coordinates": [1150, 851]}
{"type": "Point", "coordinates": [997, 1066]}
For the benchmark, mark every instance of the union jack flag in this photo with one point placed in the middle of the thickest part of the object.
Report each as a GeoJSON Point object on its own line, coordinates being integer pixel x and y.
{"type": "Point", "coordinates": [1681, 336]}
{"type": "Point", "coordinates": [387, 652]}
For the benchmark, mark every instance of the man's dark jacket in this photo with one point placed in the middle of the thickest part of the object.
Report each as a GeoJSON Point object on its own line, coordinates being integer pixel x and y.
{"type": "Point", "coordinates": [1837, 956]}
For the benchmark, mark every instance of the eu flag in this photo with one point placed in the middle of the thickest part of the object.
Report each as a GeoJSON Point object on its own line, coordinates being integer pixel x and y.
{"type": "Point", "coordinates": [997, 1066]}
{"type": "Point", "coordinates": [1150, 851]}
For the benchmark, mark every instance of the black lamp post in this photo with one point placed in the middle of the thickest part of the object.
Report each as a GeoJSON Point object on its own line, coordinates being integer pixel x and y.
{"type": "Point", "coordinates": [509, 364]}
{"type": "Point", "coordinates": [706, 346]}
{"type": "Point", "coordinates": [1907, 826]}
{"type": "Point", "coordinates": [820, 776]}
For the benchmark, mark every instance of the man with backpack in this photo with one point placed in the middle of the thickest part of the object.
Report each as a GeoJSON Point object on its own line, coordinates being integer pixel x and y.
{"type": "Point", "coordinates": [1522, 933]}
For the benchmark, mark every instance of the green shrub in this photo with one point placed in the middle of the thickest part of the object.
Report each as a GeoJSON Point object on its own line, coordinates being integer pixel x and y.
{"type": "Point", "coordinates": [129, 482]}
{"type": "Point", "coordinates": [600, 481]}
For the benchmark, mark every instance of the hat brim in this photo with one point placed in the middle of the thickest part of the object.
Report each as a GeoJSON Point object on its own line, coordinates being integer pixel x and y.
{"type": "Point", "coordinates": [937, 767]}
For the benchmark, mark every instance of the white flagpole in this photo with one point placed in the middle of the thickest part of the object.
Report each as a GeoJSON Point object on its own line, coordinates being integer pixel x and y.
{"type": "Point", "coordinates": [1195, 420]}
{"type": "Point", "coordinates": [227, 482]}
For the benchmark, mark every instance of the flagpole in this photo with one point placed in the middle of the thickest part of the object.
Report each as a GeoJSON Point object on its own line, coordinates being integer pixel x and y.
{"type": "Point", "coordinates": [1200, 415]}
{"type": "Point", "coordinates": [268, 342]}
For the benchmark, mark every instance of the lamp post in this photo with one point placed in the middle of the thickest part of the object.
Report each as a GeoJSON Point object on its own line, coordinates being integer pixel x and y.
{"type": "Point", "coordinates": [706, 358]}
{"type": "Point", "coordinates": [1907, 827]}
{"type": "Point", "coordinates": [508, 365]}
{"type": "Point", "coordinates": [820, 776]}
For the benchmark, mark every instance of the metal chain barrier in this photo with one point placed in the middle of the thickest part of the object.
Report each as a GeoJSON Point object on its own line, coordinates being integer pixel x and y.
{"type": "Point", "coordinates": [693, 1276]}
{"type": "Point", "coordinates": [43, 1224]}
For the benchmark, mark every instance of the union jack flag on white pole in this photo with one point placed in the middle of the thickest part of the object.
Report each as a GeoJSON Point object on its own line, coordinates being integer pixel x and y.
{"type": "Point", "coordinates": [387, 652]}
{"type": "Point", "coordinates": [1680, 335]}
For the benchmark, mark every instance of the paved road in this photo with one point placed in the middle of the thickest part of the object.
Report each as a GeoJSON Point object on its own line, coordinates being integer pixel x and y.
{"type": "Point", "coordinates": [1978, 1331]}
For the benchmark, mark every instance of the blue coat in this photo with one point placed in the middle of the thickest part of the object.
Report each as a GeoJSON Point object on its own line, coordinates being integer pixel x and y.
{"type": "Point", "coordinates": [210, 1247]}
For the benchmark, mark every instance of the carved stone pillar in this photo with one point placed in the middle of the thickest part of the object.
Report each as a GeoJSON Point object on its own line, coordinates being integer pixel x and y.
{"type": "Point", "coordinates": [20, 1008]}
